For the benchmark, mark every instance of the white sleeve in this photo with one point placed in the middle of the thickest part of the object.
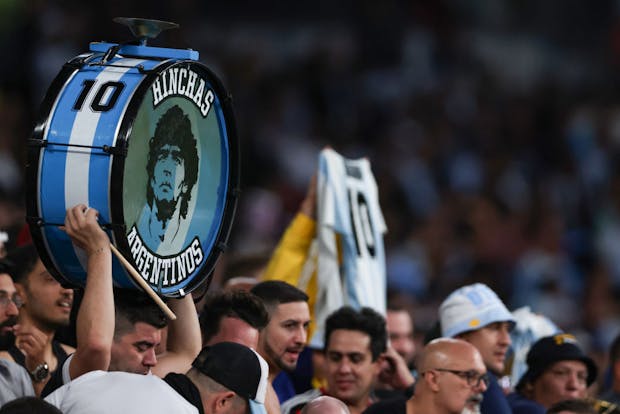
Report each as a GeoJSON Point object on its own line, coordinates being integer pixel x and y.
{"type": "Point", "coordinates": [57, 397]}
{"type": "Point", "coordinates": [66, 376]}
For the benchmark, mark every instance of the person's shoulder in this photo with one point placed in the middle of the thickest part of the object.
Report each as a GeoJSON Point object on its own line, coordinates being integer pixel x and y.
{"type": "Point", "coordinates": [10, 365]}
{"type": "Point", "coordinates": [6, 356]}
{"type": "Point", "coordinates": [13, 372]}
{"type": "Point", "coordinates": [57, 395]}
{"type": "Point", "coordinates": [67, 348]}
{"type": "Point", "coordinates": [610, 396]}
{"type": "Point", "coordinates": [521, 405]}
{"type": "Point", "coordinates": [182, 385]}
{"type": "Point", "coordinates": [494, 399]}
{"type": "Point", "coordinates": [14, 382]}
{"type": "Point", "coordinates": [115, 381]}
{"type": "Point", "coordinates": [396, 405]}
{"type": "Point", "coordinates": [299, 400]}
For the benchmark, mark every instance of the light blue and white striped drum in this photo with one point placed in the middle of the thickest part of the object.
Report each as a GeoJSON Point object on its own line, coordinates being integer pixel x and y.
{"type": "Point", "coordinates": [146, 136]}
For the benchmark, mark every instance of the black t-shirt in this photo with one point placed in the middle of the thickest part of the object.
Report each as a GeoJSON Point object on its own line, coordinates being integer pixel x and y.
{"type": "Point", "coordinates": [391, 406]}
{"type": "Point", "coordinates": [186, 388]}
{"type": "Point", "coordinates": [55, 380]}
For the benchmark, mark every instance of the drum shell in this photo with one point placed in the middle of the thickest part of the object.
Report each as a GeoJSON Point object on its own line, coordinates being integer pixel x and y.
{"type": "Point", "coordinates": [99, 128]}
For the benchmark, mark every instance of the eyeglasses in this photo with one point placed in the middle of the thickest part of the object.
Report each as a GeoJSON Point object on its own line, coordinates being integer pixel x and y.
{"type": "Point", "coordinates": [6, 299]}
{"type": "Point", "coordinates": [472, 377]}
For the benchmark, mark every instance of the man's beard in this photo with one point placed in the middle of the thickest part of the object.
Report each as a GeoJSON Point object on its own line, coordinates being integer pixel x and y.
{"type": "Point", "coordinates": [473, 405]}
{"type": "Point", "coordinates": [471, 410]}
{"type": "Point", "coordinates": [165, 210]}
{"type": "Point", "coordinates": [279, 359]}
{"type": "Point", "coordinates": [7, 339]}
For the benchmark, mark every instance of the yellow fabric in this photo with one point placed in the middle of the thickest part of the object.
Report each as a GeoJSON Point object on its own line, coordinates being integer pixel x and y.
{"type": "Point", "coordinates": [291, 255]}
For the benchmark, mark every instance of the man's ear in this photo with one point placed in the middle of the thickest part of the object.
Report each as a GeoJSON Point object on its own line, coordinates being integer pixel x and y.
{"type": "Point", "coordinates": [378, 363]}
{"type": "Point", "coordinates": [432, 379]}
{"type": "Point", "coordinates": [223, 401]}
{"type": "Point", "coordinates": [21, 291]}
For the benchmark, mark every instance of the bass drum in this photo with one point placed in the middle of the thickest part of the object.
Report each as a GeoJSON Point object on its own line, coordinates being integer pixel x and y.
{"type": "Point", "coordinates": [146, 136]}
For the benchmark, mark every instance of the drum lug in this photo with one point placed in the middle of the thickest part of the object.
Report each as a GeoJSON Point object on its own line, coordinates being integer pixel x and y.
{"type": "Point", "coordinates": [35, 221]}
{"type": "Point", "coordinates": [114, 227]}
{"type": "Point", "coordinates": [112, 51]}
{"type": "Point", "coordinates": [34, 142]}
{"type": "Point", "coordinates": [122, 150]}
{"type": "Point", "coordinates": [110, 150]}
{"type": "Point", "coordinates": [39, 222]}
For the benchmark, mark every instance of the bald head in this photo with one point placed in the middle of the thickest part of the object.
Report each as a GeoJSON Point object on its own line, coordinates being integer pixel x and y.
{"type": "Point", "coordinates": [453, 376]}
{"type": "Point", "coordinates": [445, 352]}
{"type": "Point", "coordinates": [325, 405]}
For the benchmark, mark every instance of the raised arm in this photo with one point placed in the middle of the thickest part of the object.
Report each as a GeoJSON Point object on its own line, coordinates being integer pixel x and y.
{"type": "Point", "coordinates": [184, 340]}
{"type": "Point", "coordinates": [291, 253]}
{"type": "Point", "coordinates": [95, 319]}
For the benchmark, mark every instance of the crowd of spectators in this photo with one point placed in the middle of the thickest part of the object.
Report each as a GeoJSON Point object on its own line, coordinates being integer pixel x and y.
{"type": "Point", "coordinates": [492, 128]}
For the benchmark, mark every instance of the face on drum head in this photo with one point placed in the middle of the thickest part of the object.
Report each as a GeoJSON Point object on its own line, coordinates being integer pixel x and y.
{"type": "Point", "coordinates": [168, 182]}
{"type": "Point", "coordinates": [172, 169]}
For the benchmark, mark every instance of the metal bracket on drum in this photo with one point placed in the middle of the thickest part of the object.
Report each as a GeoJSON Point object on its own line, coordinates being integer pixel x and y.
{"type": "Point", "coordinates": [105, 63]}
{"type": "Point", "coordinates": [39, 222]}
{"type": "Point", "coordinates": [111, 150]}
{"type": "Point", "coordinates": [76, 64]}
{"type": "Point", "coordinates": [112, 51]}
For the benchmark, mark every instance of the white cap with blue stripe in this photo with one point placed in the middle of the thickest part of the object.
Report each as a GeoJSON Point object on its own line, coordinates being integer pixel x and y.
{"type": "Point", "coordinates": [470, 308]}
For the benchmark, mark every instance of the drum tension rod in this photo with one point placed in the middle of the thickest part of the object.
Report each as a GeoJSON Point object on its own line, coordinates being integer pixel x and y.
{"type": "Point", "coordinates": [122, 150]}
{"type": "Point", "coordinates": [139, 67]}
{"type": "Point", "coordinates": [79, 62]}
{"type": "Point", "coordinates": [110, 53]}
{"type": "Point", "coordinates": [39, 222]}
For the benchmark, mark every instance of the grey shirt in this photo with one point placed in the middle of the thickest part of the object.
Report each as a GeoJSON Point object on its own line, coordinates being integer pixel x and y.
{"type": "Point", "coordinates": [14, 382]}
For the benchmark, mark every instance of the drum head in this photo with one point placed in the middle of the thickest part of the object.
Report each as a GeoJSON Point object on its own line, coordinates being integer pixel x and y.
{"type": "Point", "coordinates": [179, 178]}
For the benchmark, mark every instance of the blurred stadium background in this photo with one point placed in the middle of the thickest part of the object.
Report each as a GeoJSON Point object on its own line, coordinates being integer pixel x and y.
{"type": "Point", "coordinates": [493, 128]}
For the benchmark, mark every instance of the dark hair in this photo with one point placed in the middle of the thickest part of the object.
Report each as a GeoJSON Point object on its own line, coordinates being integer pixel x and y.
{"type": "Point", "coordinates": [5, 267]}
{"type": "Point", "coordinates": [399, 301]}
{"type": "Point", "coordinates": [132, 306]}
{"type": "Point", "coordinates": [21, 261]}
{"type": "Point", "coordinates": [577, 406]}
{"type": "Point", "coordinates": [29, 405]}
{"type": "Point", "coordinates": [433, 332]}
{"type": "Point", "coordinates": [174, 128]}
{"type": "Point", "coordinates": [276, 292]}
{"type": "Point", "coordinates": [239, 304]}
{"type": "Point", "coordinates": [365, 320]}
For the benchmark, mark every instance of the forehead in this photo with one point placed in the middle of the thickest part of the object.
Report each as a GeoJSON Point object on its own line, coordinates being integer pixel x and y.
{"type": "Point", "coordinates": [398, 320]}
{"type": "Point", "coordinates": [143, 332]}
{"type": "Point", "coordinates": [463, 357]}
{"type": "Point", "coordinates": [569, 365]}
{"type": "Point", "coordinates": [6, 284]}
{"type": "Point", "coordinates": [169, 147]}
{"type": "Point", "coordinates": [486, 332]}
{"type": "Point", "coordinates": [290, 311]}
{"type": "Point", "coordinates": [348, 341]}
{"type": "Point", "coordinates": [236, 330]}
{"type": "Point", "coordinates": [38, 271]}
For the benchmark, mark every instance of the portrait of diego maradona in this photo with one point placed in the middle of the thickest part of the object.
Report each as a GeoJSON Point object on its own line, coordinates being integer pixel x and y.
{"type": "Point", "coordinates": [172, 171]}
